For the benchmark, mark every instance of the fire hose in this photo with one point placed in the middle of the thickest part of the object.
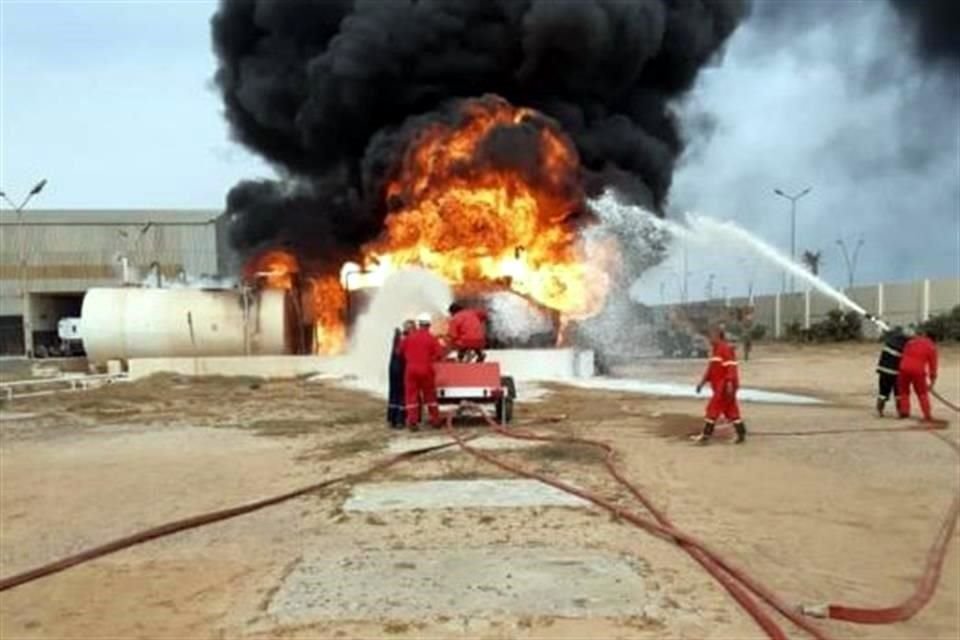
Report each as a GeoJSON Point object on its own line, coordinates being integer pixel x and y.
{"type": "Point", "coordinates": [202, 519]}
{"type": "Point", "coordinates": [730, 577]}
{"type": "Point", "coordinates": [927, 584]}
{"type": "Point", "coordinates": [734, 579]}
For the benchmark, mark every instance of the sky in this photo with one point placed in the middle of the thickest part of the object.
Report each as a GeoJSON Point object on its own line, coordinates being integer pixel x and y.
{"type": "Point", "coordinates": [113, 103]}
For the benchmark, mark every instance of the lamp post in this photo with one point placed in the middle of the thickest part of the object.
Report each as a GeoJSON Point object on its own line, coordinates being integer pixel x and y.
{"type": "Point", "coordinates": [851, 261]}
{"type": "Point", "coordinates": [793, 224]}
{"type": "Point", "coordinates": [21, 257]}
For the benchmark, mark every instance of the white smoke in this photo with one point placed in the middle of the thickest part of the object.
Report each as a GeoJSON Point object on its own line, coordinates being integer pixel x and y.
{"type": "Point", "coordinates": [403, 296]}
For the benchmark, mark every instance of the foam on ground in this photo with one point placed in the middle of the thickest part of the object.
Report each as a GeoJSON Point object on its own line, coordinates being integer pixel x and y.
{"type": "Point", "coordinates": [675, 390]}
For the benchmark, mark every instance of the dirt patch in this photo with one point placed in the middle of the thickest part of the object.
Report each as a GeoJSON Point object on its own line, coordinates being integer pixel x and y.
{"type": "Point", "coordinates": [564, 453]}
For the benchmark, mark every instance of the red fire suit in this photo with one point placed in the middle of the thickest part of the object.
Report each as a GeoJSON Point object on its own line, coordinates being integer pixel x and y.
{"type": "Point", "coordinates": [918, 361]}
{"type": "Point", "coordinates": [724, 381]}
{"type": "Point", "coordinates": [468, 329]}
{"type": "Point", "coordinates": [420, 350]}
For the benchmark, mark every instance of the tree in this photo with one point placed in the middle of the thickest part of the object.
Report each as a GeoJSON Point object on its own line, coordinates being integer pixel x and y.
{"type": "Point", "coordinates": [812, 260]}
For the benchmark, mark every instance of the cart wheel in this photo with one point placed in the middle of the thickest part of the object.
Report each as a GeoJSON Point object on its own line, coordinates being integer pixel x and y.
{"type": "Point", "coordinates": [504, 410]}
{"type": "Point", "coordinates": [511, 387]}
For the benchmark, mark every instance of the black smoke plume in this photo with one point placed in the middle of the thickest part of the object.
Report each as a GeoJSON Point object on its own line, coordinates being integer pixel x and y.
{"type": "Point", "coordinates": [314, 86]}
{"type": "Point", "coordinates": [936, 28]}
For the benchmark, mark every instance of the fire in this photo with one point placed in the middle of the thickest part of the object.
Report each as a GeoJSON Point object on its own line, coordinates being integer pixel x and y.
{"type": "Point", "coordinates": [469, 210]}
{"type": "Point", "coordinates": [329, 302]}
{"type": "Point", "coordinates": [325, 300]}
{"type": "Point", "coordinates": [276, 267]}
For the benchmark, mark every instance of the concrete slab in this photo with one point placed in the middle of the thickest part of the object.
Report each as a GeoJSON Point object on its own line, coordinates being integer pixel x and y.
{"type": "Point", "coordinates": [457, 494]}
{"type": "Point", "coordinates": [406, 443]}
{"type": "Point", "coordinates": [674, 390]}
{"type": "Point", "coordinates": [465, 583]}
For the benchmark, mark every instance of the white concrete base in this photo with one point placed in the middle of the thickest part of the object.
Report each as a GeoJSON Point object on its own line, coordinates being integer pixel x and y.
{"type": "Point", "coordinates": [465, 584]}
{"type": "Point", "coordinates": [462, 494]}
{"type": "Point", "coordinates": [522, 364]}
{"type": "Point", "coordinates": [493, 443]}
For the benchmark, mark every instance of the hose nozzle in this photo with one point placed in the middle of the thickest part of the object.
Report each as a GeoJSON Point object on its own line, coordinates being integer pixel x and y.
{"type": "Point", "coordinates": [821, 610]}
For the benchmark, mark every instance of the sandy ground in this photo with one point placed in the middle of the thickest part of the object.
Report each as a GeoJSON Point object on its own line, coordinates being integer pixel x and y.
{"type": "Point", "coordinates": [843, 518]}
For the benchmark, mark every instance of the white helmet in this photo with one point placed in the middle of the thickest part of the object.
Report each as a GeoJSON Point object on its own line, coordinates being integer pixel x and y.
{"type": "Point", "coordinates": [424, 319]}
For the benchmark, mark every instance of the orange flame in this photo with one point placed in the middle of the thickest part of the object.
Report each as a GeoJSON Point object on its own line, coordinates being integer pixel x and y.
{"type": "Point", "coordinates": [466, 219]}
{"type": "Point", "coordinates": [276, 267]}
{"type": "Point", "coordinates": [326, 298]}
{"type": "Point", "coordinates": [329, 303]}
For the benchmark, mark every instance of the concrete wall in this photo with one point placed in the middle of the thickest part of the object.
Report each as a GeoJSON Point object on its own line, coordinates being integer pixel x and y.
{"type": "Point", "coordinates": [522, 364]}
{"type": "Point", "coordinates": [903, 303]}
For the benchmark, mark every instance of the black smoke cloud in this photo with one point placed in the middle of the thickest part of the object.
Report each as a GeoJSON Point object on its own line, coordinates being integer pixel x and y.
{"type": "Point", "coordinates": [936, 28]}
{"type": "Point", "coordinates": [328, 91]}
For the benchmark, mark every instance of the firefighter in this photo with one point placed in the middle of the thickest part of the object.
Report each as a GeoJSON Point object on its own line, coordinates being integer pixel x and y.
{"type": "Point", "coordinates": [888, 366]}
{"type": "Point", "coordinates": [918, 362]}
{"type": "Point", "coordinates": [468, 333]}
{"type": "Point", "coordinates": [396, 402]}
{"type": "Point", "coordinates": [724, 381]}
{"type": "Point", "coordinates": [420, 350]}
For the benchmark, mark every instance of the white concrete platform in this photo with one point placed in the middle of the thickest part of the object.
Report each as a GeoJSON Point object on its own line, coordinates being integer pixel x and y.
{"type": "Point", "coordinates": [674, 390]}
{"type": "Point", "coordinates": [465, 583]}
{"type": "Point", "coordinates": [522, 364]}
{"type": "Point", "coordinates": [457, 494]}
{"type": "Point", "coordinates": [402, 444]}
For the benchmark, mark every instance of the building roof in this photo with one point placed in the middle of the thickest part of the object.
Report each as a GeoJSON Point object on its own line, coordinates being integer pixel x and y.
{"type": "Point", "coordinates": [116, 217]}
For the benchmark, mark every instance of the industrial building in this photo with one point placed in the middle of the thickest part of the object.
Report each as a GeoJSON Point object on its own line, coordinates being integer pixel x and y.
{"type": "Point", "coordinates": [49, 258]}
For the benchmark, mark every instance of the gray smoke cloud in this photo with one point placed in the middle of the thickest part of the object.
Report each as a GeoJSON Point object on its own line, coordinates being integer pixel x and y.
{"type": "Point", "coordinates": [858, 100]}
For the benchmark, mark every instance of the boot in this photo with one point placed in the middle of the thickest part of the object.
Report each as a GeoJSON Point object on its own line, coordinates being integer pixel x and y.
{"type": "Point", "coordinates": [704, 437]}
{"type": "Point", "coordinates": [741, 432]}
{"type": "Point", "coordinates": [880, 405]}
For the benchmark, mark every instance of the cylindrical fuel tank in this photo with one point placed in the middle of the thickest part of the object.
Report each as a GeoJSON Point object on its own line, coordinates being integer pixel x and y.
{"type": "Point", "coordinates": [124, 323]}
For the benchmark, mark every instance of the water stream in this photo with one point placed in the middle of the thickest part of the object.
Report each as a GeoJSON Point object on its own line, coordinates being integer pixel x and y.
{"type": "Point", "coordinates": [706, 232]}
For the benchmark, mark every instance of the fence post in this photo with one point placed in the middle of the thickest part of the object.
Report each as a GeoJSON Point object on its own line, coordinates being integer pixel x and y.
{"type": "Point", "coordinates": [879, 299]}
{"type": "Point", "coordinates": [776, 316]}
{"type": "Point", "coordinates": [925, 311]}
{"type": "Point", "coordinates": [806, 309]}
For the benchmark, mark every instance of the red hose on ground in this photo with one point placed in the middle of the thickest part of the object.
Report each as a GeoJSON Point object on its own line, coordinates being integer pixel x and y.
{"type": "Point", "coordinates": [200, 520]}
{"type": "Point", "coordinates": [927, 585]}
{"type": "Point", "coordinates": [922, 594]}
{"type": "Point", "coordinates": [732, 578]}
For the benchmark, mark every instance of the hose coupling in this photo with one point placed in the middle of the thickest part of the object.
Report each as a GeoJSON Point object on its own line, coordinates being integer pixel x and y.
{"type": "Point", "coordinates": [821, 610]}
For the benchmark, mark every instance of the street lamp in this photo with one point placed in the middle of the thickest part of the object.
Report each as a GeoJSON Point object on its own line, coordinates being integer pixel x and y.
{"type": "Point", "coordinates": [851, 261]}
{"type": "Point", "coordinates": [793, 225]}
{"type": "Point", "coordinates": [21, 252]}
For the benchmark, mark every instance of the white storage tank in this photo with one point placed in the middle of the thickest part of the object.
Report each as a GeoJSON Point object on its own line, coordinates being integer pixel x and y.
{"type": "Point", "coordinates": [131, 322]}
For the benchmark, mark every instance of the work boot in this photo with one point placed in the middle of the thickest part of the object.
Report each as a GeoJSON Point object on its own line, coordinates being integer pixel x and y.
{"type": "Point", "coordinates": [413, 427]}
{"type": "Point", "coordinates": [703, 438]}
{"type": "Point", "coordinates": [880, 405]}
{"type": "Point", "coordinates": [741, 432]}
